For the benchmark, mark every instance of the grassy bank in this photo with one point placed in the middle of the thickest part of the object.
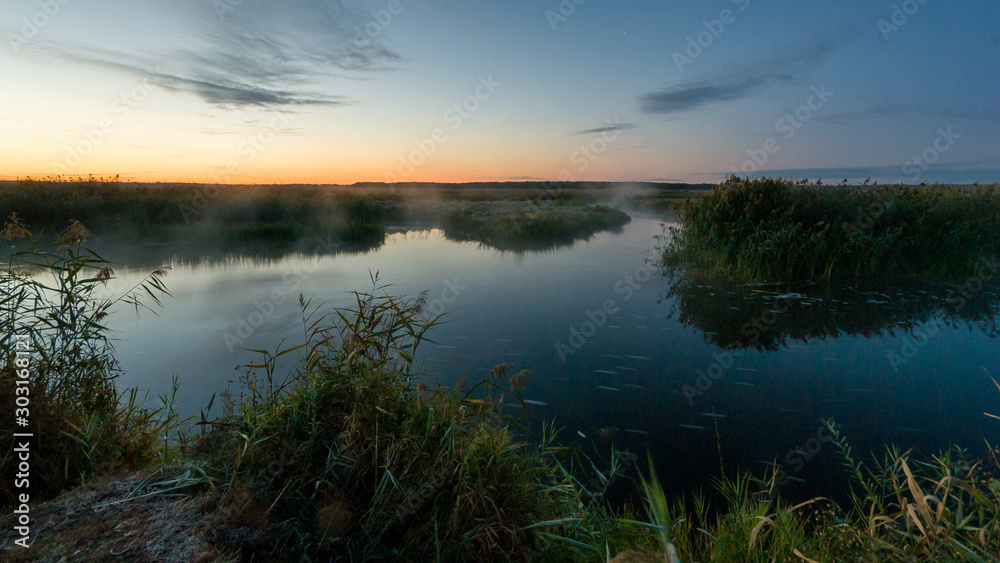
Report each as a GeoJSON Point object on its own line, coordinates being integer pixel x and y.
{"type": "Point", "coordinates": [771, 229]}
{"type": "Point", "coordinates": [354, 455]}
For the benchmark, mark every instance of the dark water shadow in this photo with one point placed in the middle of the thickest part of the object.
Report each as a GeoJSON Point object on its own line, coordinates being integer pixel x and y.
{"type": "Point", "coordinates": [768, 317]}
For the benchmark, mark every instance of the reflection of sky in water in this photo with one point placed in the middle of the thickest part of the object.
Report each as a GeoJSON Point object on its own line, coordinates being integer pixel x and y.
{"type": "Point", "coordinates": [629, 374]}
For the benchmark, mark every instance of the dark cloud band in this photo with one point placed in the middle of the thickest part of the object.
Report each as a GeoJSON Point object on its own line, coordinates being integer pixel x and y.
{"type": "Point", "coordinates": [734, 83]}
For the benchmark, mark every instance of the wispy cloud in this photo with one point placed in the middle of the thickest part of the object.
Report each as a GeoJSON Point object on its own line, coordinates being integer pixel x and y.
{"type": "Point", "coordinates": [258, 54]}
{"type": "Point", "coordinates": [740, 81]}
{"type": "Point", "coordinates": [614, 128]}
{"type": "Point", "coordinates": [896, 111]}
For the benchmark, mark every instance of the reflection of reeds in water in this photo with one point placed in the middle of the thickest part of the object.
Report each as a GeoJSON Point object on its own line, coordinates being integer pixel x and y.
{"type": "Point", "coordinates": [738, 316]}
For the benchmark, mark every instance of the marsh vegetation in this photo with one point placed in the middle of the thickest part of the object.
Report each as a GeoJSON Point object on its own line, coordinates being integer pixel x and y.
{"type": "Point", "coordinates": [775, 230]}
{"type": "Point", "coordinates": [284, 219]}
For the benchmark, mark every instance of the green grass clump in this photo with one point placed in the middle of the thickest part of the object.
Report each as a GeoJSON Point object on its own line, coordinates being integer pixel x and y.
{"type": "Point", "coordinates": [84, 426]}
{"type": "Point", "coordinates": [351, 456]}
{"type": "Point", "coordinates": [902, 509]}
{"type": "Point", "coordinates": [771, 229]}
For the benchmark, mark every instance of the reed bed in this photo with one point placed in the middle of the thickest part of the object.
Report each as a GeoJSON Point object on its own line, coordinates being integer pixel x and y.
{"type": "Point", "coordinates": [279, 218]}
{"type": "Point", "coordinates": [770, 229]}
{"type": "Point", "coordinates": [130, 210]}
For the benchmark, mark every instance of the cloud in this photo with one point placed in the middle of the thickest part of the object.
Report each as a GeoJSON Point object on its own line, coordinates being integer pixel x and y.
{"type": "Point", "coordinates": [741, 81]}
{"type": "Point", "coordinates": [894, 110]}
{"type": "Point", "coordinates": [257, 53]}
{"type": "Point", "coordinates": [230, 88]}
{"type": "Point", "coordinates": [266, 37]}
{"type": "Point", "coordinates": [607, 129]}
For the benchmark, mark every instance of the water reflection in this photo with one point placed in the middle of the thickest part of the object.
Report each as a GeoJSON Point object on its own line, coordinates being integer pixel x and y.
{"type": "Point", "coordinates": [193, 247]}
{"type": "Point", "coordinates": [772, 316]}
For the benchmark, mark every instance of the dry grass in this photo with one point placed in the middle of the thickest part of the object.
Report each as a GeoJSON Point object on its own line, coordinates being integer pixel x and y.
{"type": "Point", "coordinates": [99, 522]}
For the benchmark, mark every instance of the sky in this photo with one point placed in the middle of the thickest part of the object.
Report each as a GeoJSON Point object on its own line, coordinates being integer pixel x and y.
{"type": "Point", "coordinates": [345, 91]}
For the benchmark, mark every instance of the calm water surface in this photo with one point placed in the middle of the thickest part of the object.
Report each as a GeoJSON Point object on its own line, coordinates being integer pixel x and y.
{"type": "Point", "coordinates": [679, 370]}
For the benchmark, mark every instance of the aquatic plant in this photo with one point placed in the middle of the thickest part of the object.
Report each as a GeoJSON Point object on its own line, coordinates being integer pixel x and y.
{"type": "Point", "coordinates": [111, 206]}
{"type": "Point", "coordinates": [280, 219]}
{"type": "Point", "coordinates": [529, 225]}
{"type": "Point", "coordinates": [770, 229]}
{"type": "Point", "coordinates": [947, 508]}
{"type": "Point", "coordinates": [52, 309]}
{"type": "Point", "coordinates": [353, 455]}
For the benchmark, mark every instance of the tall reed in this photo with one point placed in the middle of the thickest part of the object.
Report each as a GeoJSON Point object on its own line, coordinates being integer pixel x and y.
{"type": "Point", "coordinates": [770, 229]}
{"type": "Point", "coordinates": [85, 425]}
